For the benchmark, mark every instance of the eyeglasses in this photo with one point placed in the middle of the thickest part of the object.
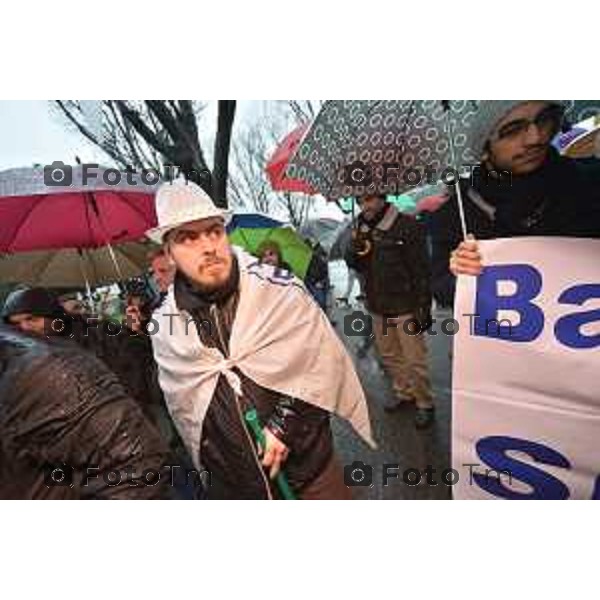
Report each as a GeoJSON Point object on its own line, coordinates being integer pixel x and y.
{"type": "Point", "coordinates": [547, 122]}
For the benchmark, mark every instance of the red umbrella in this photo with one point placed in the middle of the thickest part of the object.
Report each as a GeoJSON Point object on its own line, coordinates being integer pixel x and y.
{"type": "Point", "coordinates": [278, 163]}
{"type": "Point", "coordinates": [431, 203]}
{"type": "Point", "coordinates": [37, 216]}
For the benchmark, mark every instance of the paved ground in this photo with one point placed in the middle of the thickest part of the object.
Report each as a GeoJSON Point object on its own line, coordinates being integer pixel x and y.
{"type": "Point", "coordinates": [398, 440]}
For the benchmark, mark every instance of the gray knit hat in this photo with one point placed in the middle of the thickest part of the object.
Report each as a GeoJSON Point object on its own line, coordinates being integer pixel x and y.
{"type": "Point", "coordinates": [488, 114]}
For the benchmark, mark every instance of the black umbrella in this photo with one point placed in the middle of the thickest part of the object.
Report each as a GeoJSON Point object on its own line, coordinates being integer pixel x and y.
{"type": "Point", "coordinates": [341, 244]}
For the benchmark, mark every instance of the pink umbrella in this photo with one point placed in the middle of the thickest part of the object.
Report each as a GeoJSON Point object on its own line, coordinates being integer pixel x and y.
{"type": "Point", "coordinates": [278, 163]}
{"type": "Point", "coordinates": [37, 214]}
{"type": "Point", "coordinates": [430, 203]}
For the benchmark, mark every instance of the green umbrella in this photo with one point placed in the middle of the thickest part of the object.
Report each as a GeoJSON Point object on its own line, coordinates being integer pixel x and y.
{"type": "Point", "coordinates": [403, 202]}
{"type": "Point", "coordinates": [295, 251]}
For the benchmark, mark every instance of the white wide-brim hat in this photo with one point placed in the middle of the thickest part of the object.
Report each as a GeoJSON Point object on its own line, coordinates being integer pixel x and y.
{"type": "Point", "coordinates": [180, 202]}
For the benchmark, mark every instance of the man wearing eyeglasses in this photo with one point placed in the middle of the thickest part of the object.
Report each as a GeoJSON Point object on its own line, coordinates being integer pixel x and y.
{"type": "Point", "coordinates": [547, 194]}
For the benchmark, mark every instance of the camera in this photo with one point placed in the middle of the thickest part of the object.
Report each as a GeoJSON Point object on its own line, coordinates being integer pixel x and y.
{"type": "Point", "coordinates": [358, 324]}
{"type": "Point", "coordinates": [358, 173]}
{"type": "Point", "coordinates": [59, 325]}
{"type": "Point", "coordinates": [58, 475]}
{"type": "Point", "coordinates": [58, 174]}
{"type": "Point", "coordinates": [358, 474]}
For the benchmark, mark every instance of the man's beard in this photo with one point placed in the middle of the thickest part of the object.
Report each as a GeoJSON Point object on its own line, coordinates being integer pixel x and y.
{"type": "Point", "coordinates": [211, 290]}
{"type": "Point", "coordinates": [205, 283]}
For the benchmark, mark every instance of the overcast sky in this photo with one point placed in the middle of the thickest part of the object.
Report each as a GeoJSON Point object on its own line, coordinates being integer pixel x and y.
{"type": "Point", "coordinates": [32, 132]}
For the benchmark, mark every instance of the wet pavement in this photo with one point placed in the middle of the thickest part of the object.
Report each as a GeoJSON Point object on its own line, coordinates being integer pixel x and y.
{"type": "Point", "coordinates": [398, 440]}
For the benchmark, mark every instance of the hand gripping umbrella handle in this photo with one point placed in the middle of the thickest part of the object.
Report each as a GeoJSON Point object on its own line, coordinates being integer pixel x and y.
{"type": "Point", "coordinates": [251, 418]}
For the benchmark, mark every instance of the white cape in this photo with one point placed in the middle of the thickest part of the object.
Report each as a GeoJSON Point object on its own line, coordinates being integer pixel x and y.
{"type": "Point", "coordinates": [280, 338]}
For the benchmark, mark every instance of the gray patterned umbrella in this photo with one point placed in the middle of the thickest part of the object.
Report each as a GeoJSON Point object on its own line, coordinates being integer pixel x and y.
{"type": "Point", "coordinates": [411, 135]}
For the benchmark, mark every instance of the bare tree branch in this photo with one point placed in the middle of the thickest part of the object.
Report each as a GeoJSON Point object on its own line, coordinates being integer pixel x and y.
{"type": "Point", "coordinates": [87, 133]}
{"type": "Point", "coordinates": [222, 146]}
{"type": "Point", "coordinates": [155, 133]}
{"type": "Point", "coordinates": [140, 126]}
{"type": "Point", "coordinates": [251, 151]}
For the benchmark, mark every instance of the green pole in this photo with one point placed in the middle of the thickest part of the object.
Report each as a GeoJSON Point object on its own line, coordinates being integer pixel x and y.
{"type": "Point", "coordinates": [251, 417]}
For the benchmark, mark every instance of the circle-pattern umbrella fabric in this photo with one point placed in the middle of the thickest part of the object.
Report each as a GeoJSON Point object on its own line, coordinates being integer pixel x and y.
{"type": "Point", "coordinates": [348, 136]}
{"type": "Point", "coordinates": [277, 164]}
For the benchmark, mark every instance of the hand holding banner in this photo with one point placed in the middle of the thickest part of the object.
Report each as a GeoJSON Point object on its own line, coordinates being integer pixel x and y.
{"type": "Point", "coordinates": [526, 403]}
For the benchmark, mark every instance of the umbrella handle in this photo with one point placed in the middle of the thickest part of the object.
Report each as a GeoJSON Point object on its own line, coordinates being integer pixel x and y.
{"type": "Point", "coordinates": [459, 199]}
{"type": "Point", "coordinates": [110, 250]}
{"type": "Point", "coordinates": [115, 262]}
{"type": "Point", "coordinates": [88, 288]}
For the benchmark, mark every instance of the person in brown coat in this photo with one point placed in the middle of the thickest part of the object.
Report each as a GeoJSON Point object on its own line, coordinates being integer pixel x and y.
{"type": "Point", "coordinates": [390, 252]}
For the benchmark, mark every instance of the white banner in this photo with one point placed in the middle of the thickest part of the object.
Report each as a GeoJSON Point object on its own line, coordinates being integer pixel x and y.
{"type": "Point", "coordinates": [526, 379]}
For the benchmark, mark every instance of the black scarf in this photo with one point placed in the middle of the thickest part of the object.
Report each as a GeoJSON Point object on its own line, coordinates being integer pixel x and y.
{"type": "Point", "coordinates": [191, 296]}
{"type": "Point", "coordinates": [524, 202]}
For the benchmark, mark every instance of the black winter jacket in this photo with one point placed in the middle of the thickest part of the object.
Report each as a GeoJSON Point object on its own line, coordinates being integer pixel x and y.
{"type": "Point", "coordinates": [62, 407]}
{"type": "Point", "coordinates": [562, 199]}
{"type": "Point", "coordinates": [125, 353]}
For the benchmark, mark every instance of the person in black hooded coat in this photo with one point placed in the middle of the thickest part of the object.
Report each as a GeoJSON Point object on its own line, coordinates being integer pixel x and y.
{"type": "Point", "coordinates": [127, 354]}
{"type": "Point", "coordinates": [544, 194]}
{"type": "Point", "coordinates": [64, 416]}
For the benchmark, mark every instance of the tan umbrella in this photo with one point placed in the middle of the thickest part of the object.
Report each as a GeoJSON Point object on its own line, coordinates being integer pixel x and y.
{"type": "Point", "coordinates": [75, 268]}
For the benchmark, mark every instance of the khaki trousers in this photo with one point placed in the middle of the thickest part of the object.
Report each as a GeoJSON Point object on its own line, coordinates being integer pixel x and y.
{"type": "Point", "coordinates": [405, 359]}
